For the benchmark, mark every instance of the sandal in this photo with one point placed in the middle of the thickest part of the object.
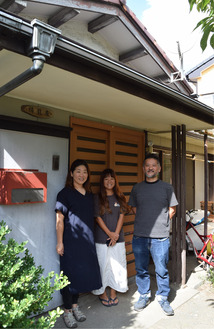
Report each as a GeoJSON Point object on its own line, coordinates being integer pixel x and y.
{"type": "Point", "coordinates": [69, 320]}
{"type": "Point", "coordinates": [114, 301]}
{"type": "Point", "coordinates": [106, 301]}
{"type": "Point", "coordinates": [78, 314]}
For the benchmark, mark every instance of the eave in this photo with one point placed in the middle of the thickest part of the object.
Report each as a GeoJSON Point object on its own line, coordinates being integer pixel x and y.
{"type": "Point", "coordinates": [80, 61]}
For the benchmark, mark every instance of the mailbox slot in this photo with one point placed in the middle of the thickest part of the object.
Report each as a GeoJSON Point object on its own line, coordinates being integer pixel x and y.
{"type": "Point", "coordinates": [22, 186]}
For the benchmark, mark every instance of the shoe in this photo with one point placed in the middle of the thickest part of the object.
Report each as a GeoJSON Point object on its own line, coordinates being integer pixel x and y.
{"type": "Point", "coordinates": [114, 301]}
{"type": "Point", "coordinates": [105, 301]}
{"type": "Point", "coordinates": [78, 314]}
{"type": "Point", "coordinates": [69, 320]}
{"type": "Point", "coordinates": [142, 302]}
{"type": "Point", "coordinates": [166, 307]}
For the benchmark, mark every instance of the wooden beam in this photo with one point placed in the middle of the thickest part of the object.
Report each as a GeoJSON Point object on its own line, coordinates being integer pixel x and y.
{"type": "Point", "coordinates": [33, 127]}
{"type": "Point", "coordinates": [101, 22]}
{"type": "Point", "coordinates": [63, 16]}
{"type": "Point", "coordinates": [14, 6]}
{"type": "Point", "coordinates": [133, 54]}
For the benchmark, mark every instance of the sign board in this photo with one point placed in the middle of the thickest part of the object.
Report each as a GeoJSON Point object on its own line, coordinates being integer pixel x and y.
{"type": "Point", "coordinates": [36, 111]}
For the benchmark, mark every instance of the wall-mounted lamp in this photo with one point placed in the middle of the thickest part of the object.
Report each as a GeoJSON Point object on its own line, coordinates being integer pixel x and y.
{"type": "Point", "coordinates": [41, 46]}
{"type": "Point", "coordinates": [44, 39]}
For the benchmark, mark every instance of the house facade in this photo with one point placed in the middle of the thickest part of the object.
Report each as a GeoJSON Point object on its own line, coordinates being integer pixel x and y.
{"type": "Point", "coordinates": [84, 79]}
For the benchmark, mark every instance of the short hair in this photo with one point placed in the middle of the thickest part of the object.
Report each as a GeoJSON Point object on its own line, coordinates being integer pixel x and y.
{"type": "Point", "coordinates": [151, 156]}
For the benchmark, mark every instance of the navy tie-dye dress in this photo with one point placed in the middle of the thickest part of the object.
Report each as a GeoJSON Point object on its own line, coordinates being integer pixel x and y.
{"type": "Point", "coordinates": [79, 261]}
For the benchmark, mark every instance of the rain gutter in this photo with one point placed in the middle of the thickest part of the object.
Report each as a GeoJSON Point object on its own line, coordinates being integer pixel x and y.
{"type": "Point", "coordinates": [87, 54]}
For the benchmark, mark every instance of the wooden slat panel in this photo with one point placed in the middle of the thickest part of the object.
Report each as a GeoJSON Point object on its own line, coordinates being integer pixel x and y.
{"type": "Point", "coordinates": [126, 149]}
{"type": "Point", "coordinates": [129, 248]}
{"type": "Point", "coordinates": [127, 189]}
{"type": "Point", "coordinates": [131, 269]}
{"type": "Point", "coordinates": [128, 179]}
{"type": "Point", "coordinates": [128, 228]}
{"type": "Point", "coordinates": [90, 156]}
{"type": "Point", "coordinates": [128, 238]}
{"type": "Point", "coordinates": [129, 220]}
{"type": "Point", "coordinates": [126, 168]}
{"type": "Point", "coordinates": [91, 145]}
{"type": "Point", "coordinates": [104, 146]}
{"type": "Point", "coordinates": [124, 158]}
{"type": "Point", "coordinates": [130, 257]}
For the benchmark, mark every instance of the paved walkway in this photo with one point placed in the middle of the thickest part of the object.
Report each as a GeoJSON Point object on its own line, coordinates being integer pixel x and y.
{"type": "Point", "coordinates": [193, 305]}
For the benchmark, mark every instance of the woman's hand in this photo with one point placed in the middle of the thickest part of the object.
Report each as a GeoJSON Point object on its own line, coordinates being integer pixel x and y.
{"type": "Point", "coordinates": [112, 243]}
{"type": "Point", "coordinates": [114, 237]}
{"type": "Point", "coordinates": [60, 249]}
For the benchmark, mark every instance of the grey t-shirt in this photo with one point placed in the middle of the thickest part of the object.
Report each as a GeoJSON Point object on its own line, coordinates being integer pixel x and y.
{"type": "Point", "coordinates": [152, 202]}
{"type": "Point", "coordinates": [110, 219]}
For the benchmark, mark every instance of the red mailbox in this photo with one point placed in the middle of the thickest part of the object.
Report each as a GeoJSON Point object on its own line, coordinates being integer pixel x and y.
{"type": "Point", "coordinates": [22, 186]}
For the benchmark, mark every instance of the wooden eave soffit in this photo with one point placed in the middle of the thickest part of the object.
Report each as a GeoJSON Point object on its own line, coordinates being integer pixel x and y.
{"type": "Point", "coordinates": [14, 6]}
{"type": "Point", "coordinates": [63, 16]}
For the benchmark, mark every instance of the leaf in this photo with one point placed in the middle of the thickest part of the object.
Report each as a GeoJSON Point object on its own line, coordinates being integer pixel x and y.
{"type": "Point", "coordinates": [204, 38]}
{"type": "Point", "coordinates": [191, 3]}
{"type": "Point", "coordinates": [212, 41]}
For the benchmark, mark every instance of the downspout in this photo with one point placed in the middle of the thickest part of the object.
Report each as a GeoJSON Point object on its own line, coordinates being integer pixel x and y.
{"type": "Point", "coordinates": [34, 70]}
{"type": "Point", "coordinates": [42, 46]}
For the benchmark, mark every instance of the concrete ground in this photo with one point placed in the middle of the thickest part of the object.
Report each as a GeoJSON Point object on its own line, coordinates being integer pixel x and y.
{"type": "Point", "coordinates": [193, 305]}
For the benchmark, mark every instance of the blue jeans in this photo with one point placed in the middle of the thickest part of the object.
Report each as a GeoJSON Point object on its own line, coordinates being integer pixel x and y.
{"type": "Point", "coordinates": [159, 250]}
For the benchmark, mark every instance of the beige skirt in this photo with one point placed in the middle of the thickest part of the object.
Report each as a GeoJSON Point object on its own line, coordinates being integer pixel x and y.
{"type": "Point", "coordinates": [113, 268]}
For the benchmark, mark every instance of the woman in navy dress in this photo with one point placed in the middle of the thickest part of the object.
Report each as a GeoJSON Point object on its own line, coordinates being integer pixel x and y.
{"type": "Point", "coordinates": [75, 240]}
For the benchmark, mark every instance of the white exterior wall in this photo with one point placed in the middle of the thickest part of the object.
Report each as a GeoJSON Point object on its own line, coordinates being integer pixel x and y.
{"type": "Point", "coordinates": [35, 222]}
{"type": "Point", "coordinates": [199, 181]}
{"type": "Point", "coordinates": [205, 86]}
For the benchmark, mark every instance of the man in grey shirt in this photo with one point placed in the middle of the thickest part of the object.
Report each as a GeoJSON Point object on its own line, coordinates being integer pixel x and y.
{"type": "Point", "coordinates": [154, 204]}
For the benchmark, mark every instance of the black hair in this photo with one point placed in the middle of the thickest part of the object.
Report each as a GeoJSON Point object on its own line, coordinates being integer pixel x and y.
{"type": "Point", "coordinates": [74, 165]}
{"type": "Point", "coordinates": [151, 156]}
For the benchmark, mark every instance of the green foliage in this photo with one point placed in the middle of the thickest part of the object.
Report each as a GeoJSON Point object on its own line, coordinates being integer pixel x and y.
{"type": "Point", "coordinates": [207, 23]}
{"type": "Point", "coordinates": [211, 276]}
{"type": "Point", "coordinates": [24, 292]}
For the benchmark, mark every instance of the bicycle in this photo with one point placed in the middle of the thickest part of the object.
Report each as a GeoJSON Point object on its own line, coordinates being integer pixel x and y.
{"type": "Point", "coordinates": [204, 248]}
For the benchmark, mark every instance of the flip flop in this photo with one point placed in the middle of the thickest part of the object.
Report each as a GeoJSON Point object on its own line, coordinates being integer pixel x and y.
{"type": "Point", "coordinates": [113, 301]}
{"type": "Point", "coordinates": [105, 300]}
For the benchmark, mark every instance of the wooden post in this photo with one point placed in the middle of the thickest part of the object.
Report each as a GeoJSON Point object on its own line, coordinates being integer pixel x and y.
{"type": "Point", "coordinates": [183, 208]}
{"type": "Point", "coordinates": [174, 238]}
{"type": "Point", "coordinates": [178, 194]}
{"type": "Point", "coordinates": [205, 183]}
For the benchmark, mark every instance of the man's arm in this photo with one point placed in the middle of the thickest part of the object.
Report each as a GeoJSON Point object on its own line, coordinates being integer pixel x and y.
{"type": "Point", "coordinates": [172, 211]}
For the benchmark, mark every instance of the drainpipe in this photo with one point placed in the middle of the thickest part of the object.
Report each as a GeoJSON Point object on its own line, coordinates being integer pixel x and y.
{"type": "Point", "coordinates": [42, 46]}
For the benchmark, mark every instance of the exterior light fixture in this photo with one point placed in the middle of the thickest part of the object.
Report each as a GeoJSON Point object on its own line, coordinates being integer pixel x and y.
{"type": "Point", "coordinates": [42, 45]}
{"type": "Point", "coordinates": [44, 39]}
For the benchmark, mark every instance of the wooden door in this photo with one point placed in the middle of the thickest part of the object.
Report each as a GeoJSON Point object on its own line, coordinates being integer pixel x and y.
{"type": "Point", "coordinates": [104, 146]}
